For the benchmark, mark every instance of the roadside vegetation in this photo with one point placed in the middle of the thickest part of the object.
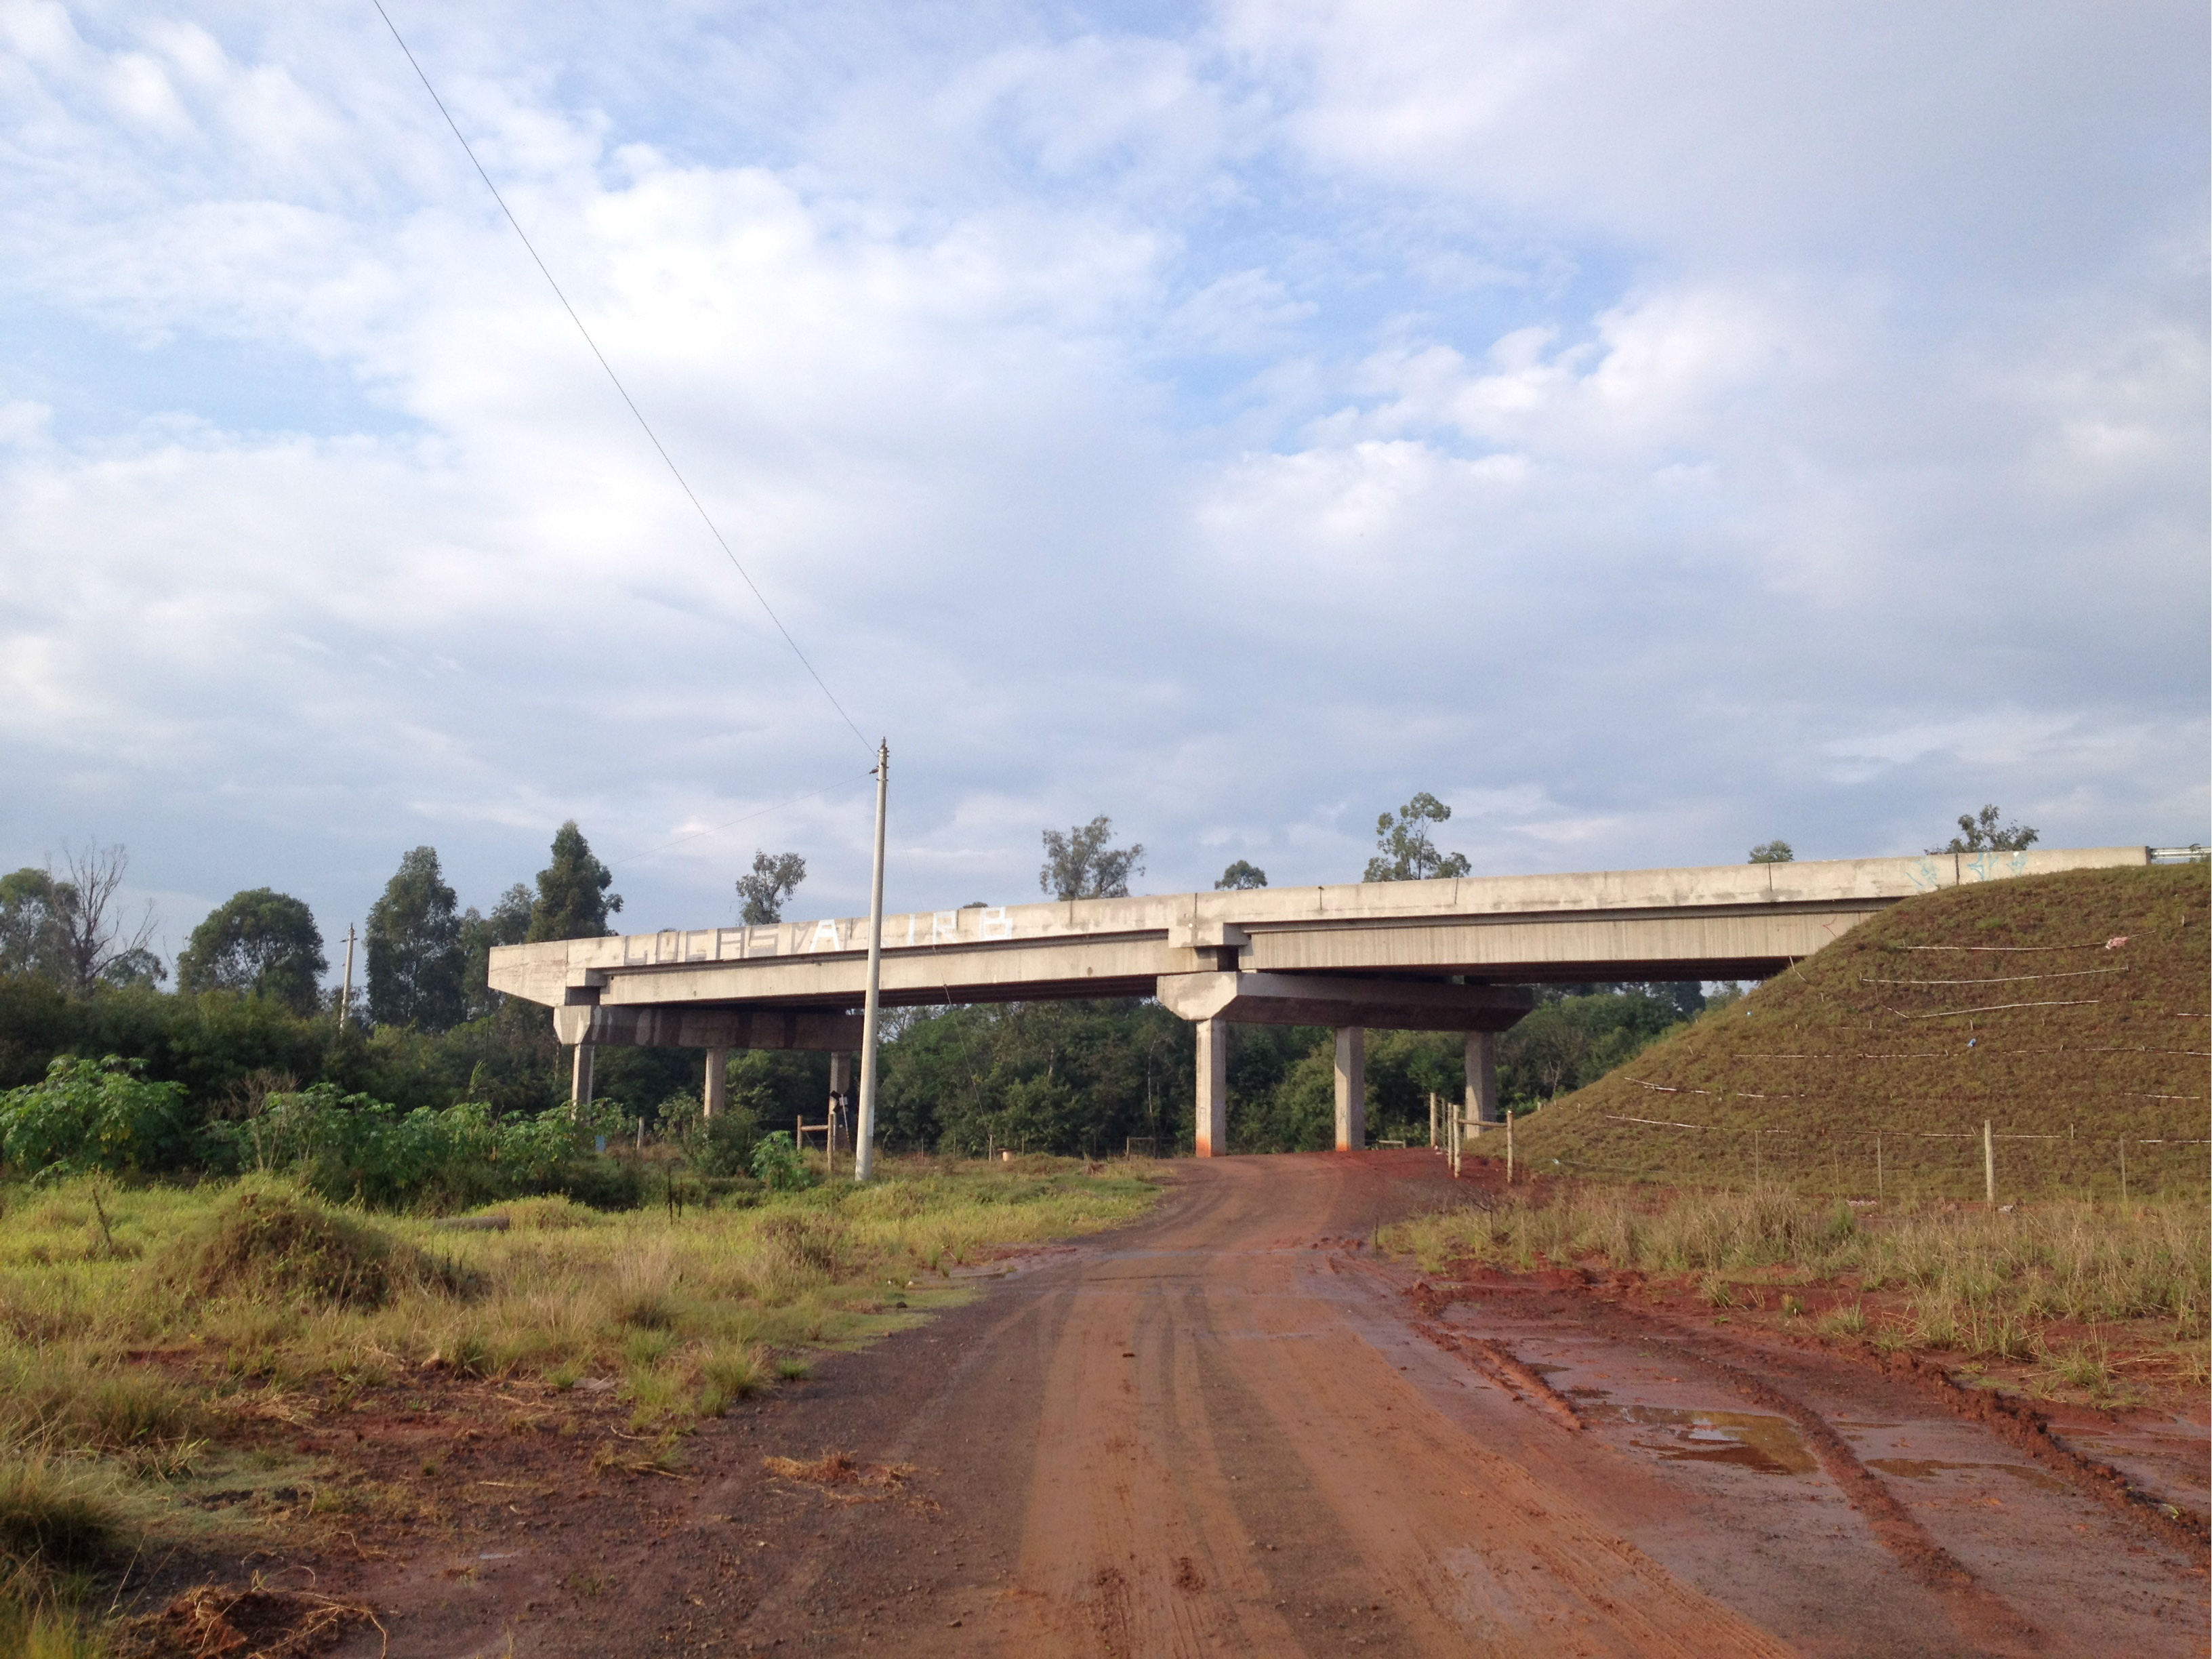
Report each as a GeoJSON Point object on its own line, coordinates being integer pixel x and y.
{"type": "Point", "coordinates": [157, 1340]}
{"type": "Point", "coordinates": [2101, 1300]}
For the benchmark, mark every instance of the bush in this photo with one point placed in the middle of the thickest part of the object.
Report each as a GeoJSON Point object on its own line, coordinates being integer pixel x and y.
{"type": "Point", "coordinates": [776, 1164]}
{"type": "Point", "coordinates": [352, 1147]}
{"type": "Point", "coordinates": [95, 1114]}
{"type": "Point", "coordinates": [718, 1147]}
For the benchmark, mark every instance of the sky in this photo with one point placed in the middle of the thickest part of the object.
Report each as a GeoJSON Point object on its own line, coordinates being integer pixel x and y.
{"type": "Point", "coordinates": [1652, 430]}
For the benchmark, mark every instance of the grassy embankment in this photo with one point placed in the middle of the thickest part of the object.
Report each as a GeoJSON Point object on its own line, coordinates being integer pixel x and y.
{"type": "Point", "coordinates": [1869, 1069]}
{"type": "Point", "coordinates": [2077, 1298]}
{"type": "Point", "coordinates": [154, 1339]}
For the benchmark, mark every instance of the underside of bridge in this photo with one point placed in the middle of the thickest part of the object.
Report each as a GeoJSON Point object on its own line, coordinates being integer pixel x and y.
{"type": "Point", "coordinates": [1456, 955]}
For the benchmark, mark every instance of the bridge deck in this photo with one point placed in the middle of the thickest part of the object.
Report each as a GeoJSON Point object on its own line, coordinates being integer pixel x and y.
{"type": "Point", "coordinates": [1730, 921]}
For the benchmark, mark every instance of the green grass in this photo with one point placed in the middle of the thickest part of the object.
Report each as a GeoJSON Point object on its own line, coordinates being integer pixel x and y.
{"type": "Point", "coordinates": [175, 1336]}
{"type": "Point", "coordinates": [253, 1286]}
{"type": "Point", "coordinates": [32, 1627]}
{"type": "Point", "coordinates": [1841, 1077]}
{"type": "Point", "coordinates": [564, 1293]}
{"type": "Point", "coordinates": [1975, 1282]}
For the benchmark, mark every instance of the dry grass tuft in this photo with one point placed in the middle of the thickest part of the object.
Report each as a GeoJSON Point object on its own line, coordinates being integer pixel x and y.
{"type": "Point", "coordinates": [52, 1518]}
{"type": "Point", "coordinates": [553, 1214]}
{"type": "Point", "coordinates": [265, 1243]}
{"type": "Point", "coordinates": [257, 1622]}
{"type": "Point", "coordinates": [839, 1468]}
{"type": "Point", "coordinates": [832, 1468]}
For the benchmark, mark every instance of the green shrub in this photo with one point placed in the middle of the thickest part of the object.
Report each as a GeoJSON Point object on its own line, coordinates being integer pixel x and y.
{"type": "Point", "coordinates": [776, 1164]}
{"type": "Point", "coordinates": [95, 1114]}
{"type": "Point", "coordinates": [719, 1147]}
{"type": "Point", "coordinates": [353, 1147]}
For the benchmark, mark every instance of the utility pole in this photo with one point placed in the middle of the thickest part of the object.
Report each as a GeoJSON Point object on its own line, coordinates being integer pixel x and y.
{"type": "Point", "coordinates": [345, 997]}
{"type": "Point", "coordinates": [864, 1128]}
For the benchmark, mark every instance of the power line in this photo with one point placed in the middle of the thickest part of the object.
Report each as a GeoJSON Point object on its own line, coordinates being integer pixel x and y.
{"type": "Point", "coordinates": [646, 425]}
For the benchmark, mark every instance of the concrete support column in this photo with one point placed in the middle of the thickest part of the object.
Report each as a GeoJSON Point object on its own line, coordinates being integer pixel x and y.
{"type": "Point", "coordinates": [1482, 1077]}
{"type": "Point", "coordinates": [841, 1090]}
{"type": "Point", "coordinates": [1350, 1088]}
{"type": "Point", "coordinates": [579, 1076]}
{"type": "Point", "coordinates": [1212, 1087]}
{"type": "Point", "coordinates": [715, 1097]}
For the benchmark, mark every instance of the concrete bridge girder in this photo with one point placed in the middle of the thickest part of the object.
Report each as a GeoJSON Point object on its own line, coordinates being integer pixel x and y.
{"type": "Point", "coordinates": [1386, 954]}
{"type": "Point", "coordinates": [1341, 1000]}
{"type": "Point", "coordinates": [818, 1029]}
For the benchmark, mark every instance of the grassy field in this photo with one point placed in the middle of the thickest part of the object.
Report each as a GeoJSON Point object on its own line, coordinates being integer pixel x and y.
{"type": "Point", "coordinates": [2098, 1300]}
{"type": "Point", "coordinates": [151, 1337]}
{"type": "Point", "coordinates": [2067, 1012]}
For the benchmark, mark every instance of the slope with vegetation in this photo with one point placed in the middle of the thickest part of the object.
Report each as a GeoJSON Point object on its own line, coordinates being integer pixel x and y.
{"type": "Point", "coordinates": [2067, 1012]}
{"type": "Point", "coordinates": [187, 1373]}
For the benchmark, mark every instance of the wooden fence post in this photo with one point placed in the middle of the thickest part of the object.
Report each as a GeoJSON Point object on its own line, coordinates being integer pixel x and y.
{"type": "Point", "coordinates": [1989, 1165]}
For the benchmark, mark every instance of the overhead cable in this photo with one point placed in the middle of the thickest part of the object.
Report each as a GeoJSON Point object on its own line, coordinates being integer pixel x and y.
{"type": "Point", "coordinates": [647, 426]}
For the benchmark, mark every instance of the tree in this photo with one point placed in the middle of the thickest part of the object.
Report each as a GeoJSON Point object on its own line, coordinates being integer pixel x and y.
{"type": "Point", "coordinates": [507, 924]}
{"type": "Point", "coordinates": [1979, 833]}
{"type": "Point", "coordinates": [415, 948]}
{"type": "Point", "coordinates": [1241, 877]}
{"type": "Point", "coordinates": [573, 900]}
{"type": "Point", "coordinates": [1079, 864]}
{"type": "Point", "coordinates": [1773, 852]}
{"type": "Point", "coordinates": [776, 877]}
{"type": "Point", "coordinates": [1408, 854]}
{"type": "Point", "coordinates": [68, 928]}
{"type": "Point", "coordinates": [30, 925]}
{"type": "Point", "coordinates": [260, 942]}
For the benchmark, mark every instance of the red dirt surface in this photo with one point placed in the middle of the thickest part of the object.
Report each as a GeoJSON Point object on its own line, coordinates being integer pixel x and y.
{"type": "Point", "coordinates": [1228, 1430]}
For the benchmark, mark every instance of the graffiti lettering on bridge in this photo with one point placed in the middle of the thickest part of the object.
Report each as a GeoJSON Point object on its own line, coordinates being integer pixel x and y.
{"type": "Point", "coordinates": [921, 930]}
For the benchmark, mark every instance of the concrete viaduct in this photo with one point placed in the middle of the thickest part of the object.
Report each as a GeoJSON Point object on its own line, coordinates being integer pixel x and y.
{"type": "Point", "coordinates": [1455, 955]}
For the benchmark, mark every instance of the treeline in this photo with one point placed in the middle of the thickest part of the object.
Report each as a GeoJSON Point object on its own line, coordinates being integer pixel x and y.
{"type": "Point", "coordinates": [1059, 1077]}
{"type": "Point", "coordinates": [250, 1031]}
{"type": "Point", "coordinates": [1027, 1075]}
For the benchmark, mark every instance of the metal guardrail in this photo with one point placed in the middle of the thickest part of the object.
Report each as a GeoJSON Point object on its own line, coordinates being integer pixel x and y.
{"type": "Point", "coordinates": [2192, 853]}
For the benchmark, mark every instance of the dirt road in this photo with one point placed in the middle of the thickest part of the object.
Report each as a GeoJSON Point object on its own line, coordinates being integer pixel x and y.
{"type": "Point", "coordinates": [1226, 1432]}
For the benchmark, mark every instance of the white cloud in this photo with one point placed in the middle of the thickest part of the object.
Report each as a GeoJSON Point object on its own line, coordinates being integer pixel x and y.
{"type": "Point", "coordinates": [1650, 432]}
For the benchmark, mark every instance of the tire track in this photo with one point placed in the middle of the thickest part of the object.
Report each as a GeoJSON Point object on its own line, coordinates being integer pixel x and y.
{"type": "Point", "coordinates": [1981, 1614]}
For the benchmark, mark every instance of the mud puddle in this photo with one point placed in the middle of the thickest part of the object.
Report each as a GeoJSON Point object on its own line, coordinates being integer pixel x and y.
{"type": "Point", "coordinates": [1682, 1434]}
